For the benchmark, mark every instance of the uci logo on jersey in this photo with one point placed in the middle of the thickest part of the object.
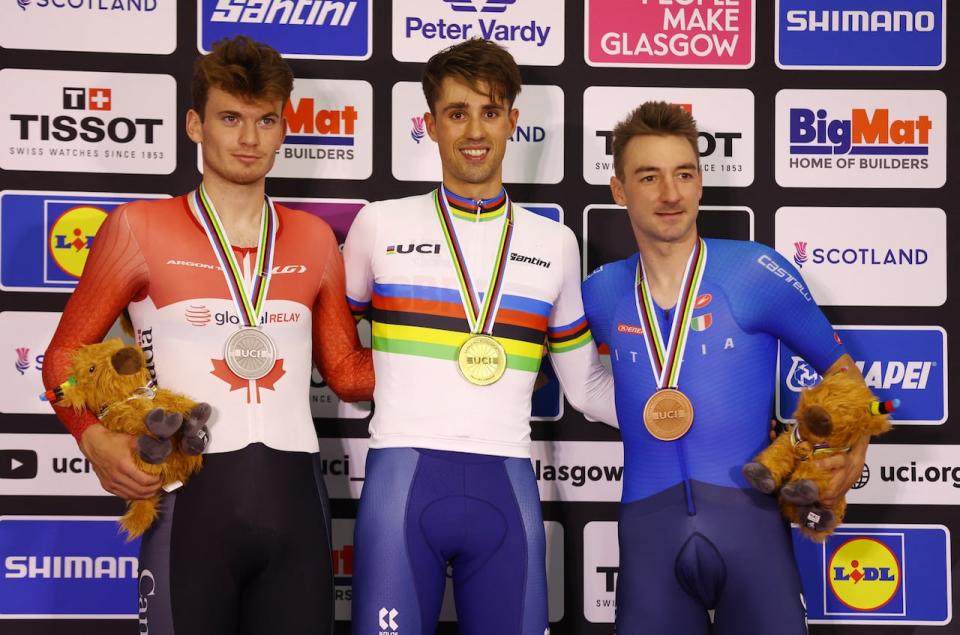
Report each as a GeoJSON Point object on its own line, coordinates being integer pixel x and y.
{"type": "Point", "coordinates": [409, 248]}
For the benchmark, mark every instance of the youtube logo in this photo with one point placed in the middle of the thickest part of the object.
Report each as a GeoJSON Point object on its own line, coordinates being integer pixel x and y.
{"type": "Point", "coordinates": [18, 464]}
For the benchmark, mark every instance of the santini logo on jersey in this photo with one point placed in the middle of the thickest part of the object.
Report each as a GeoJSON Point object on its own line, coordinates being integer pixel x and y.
{"type": "Point", "coordinates": [515, 257]}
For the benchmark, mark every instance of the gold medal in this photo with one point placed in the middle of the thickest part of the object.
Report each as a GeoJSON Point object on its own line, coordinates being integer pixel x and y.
{"type": "Point", "coordinates": [668, 414]}
{"type": "Point", "coordinates": [482, 360]}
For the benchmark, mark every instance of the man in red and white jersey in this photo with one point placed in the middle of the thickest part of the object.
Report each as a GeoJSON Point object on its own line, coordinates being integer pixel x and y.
{"type": "Point", "coordinates": [227, 291]}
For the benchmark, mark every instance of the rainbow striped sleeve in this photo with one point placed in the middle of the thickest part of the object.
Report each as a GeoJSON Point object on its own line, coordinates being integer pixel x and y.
{"type": "Point", "coordinates": [359, 309]}
{"type": "Point", "coordinates": [568, 337]}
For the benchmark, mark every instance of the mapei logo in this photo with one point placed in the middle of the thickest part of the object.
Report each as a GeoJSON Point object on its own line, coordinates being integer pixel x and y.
{"type": "Point", "coordinates": [863, 34]}
{"type": "Point", "coordinates": [409, 248]}
{"type": "Point", "coordinates": [865, 574]}
{"type": "Point", "coordinates": [905, 363]}
{"type": "Point", "coordinates": [318, 29]}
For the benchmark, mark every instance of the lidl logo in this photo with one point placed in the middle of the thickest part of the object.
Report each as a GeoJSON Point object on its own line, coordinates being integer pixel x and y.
{"type": "Point", "coordinates": [45, 237]}
{"type": "Point", "coordinates": [861, 34]}
{"type": "Point", "coordinates": [877, 574]}
{"type": "Point", "coordinates": [865, 574]}
{"type": "Point", "coordinates": [905, 363]}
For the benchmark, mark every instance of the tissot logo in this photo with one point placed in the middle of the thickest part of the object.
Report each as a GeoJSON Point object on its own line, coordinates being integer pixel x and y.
{"type": "Point", "coordinates": [724, 118]}
{"type": "Point", "coordinates": [533, 30]}
{"type": "Point", "coordinates": [71, 121]}
{"type": "Point", "coordinates": [18, 464]}
{"type": "Point", "coordinates": [861, 34]}
{"type": "Point", "coordinates": [859, 138]}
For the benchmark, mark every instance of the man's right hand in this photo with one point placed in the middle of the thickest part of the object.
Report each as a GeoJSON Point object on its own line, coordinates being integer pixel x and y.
{"type": "Point", "coordinates": [111, 455]}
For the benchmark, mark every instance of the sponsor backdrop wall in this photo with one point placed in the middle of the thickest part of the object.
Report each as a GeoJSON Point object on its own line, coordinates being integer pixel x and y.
{"type": "Point", "coordinates": [825, 129]}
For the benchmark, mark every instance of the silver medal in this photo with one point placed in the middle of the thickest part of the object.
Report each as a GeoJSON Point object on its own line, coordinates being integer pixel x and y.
{"type": "Point", "coordinates": [250, 353]}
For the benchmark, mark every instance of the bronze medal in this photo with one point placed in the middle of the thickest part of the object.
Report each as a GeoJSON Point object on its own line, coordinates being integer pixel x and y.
{"type": "Point", "coordinates": [482, 360]}
{"type": "Point", "coordinates": [668, 414]}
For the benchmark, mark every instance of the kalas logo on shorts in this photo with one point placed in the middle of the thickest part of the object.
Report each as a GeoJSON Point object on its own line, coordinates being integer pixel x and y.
{"type": "Point", "coordinates": [66, 567]}
{"type": "Point", "coordinates": [865, 574]}
{"type": "Point", "coordinates": [906, 363]}
{"type": "Point", "coordinates": [861, 34]}
{"type": "Point", "coordinates": [317, 29]}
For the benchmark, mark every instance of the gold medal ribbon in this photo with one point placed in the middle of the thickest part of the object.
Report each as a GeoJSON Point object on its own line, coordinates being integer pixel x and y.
{"type": "Point", "coordinates": [666, 361]}
{"type": "Point", "coordinates": [481, 315]}
{"type": "Point", "coordinates": [249, 302]}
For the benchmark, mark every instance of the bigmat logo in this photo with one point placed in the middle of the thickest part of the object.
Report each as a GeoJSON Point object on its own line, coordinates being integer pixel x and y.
{"type": "Point", "coordinates": [576, 471]}
{"type": "Point", "coordinates": [908, 363]}
{"type": "Point", "coordinates": [665, 33]}
{"type": "Point", "coordinates": [534, 153]}
{"type": "Point", "coordinates": [339, 214]}
{"type": "Point", "coordinates": [59, 468]}
{"type": "Point", "coordinates": [533, 30]}
{"type": "Point", "coordinates": [607, 235]}
{"type": "Point", "coordinates": [909, 475]}
{"type": "Point", "coordinates": [45, 237]}
{"type": "Point", "coordinates": [329, 131]}
{"type": "Point", "coordinates": [601, 566]}
{"type": "Point", "coordinates": [73, 121]}
{"type": "Point", "coordinates": [307, 29]}
{"type": "Point", "coordinates": [144, 26]}
{"type": "Point", "coordinates": [343, 554]}
{"type": "Point", "coordinates": [24, 336]}
{"type": "Point", "coordinates": [877, 574]}
{"type": "Point", "coordinates": [861, 35]}
{"type": "Point", "coordinates": [66, 568]}
{"type": "Point", "coordinates": [724, 117]}
{"type": "Point", "coordinates": [867, 256]}
{"type": "Point", "coordinates": [861, 138]}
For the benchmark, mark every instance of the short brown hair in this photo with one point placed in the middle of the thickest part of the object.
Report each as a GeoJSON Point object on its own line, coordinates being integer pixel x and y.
{"type": "Point", "coordinates": [654, 118]}
{"type": "Point", "coordinates": [473, 61]}
{"type": "Point", "coordinates": [244, 67]}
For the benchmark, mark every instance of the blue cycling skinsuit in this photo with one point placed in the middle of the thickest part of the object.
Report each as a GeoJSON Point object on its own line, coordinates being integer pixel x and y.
{"type": "Point", "coordinates": [693, 534]}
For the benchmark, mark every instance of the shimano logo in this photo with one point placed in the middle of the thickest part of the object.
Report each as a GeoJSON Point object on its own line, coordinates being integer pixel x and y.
{"type": "Point", "coordinates": [303, 12]}
{"type": "Point", "coordinates": [69, 567]}
{"type": "Point", "coordinates": [861, 21]}
{"type": "Point", "coordinates": [515, 257]}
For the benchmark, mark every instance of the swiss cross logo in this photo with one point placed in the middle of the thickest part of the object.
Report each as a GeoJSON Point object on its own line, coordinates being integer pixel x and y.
{"type": "Point", "coordinates": [87, 98]}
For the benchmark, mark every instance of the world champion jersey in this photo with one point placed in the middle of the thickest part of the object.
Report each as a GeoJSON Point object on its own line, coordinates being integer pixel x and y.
{"type": "Point", "coordinates": [154, 258]}
{"type": "Point", "coordinates": [749, 298]}
{"type": "Point", "coordinates": [400, 270]}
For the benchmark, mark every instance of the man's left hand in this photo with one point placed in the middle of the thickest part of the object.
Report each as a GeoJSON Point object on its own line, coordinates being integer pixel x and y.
{"type": "Point", "coordinates": [845, 469]}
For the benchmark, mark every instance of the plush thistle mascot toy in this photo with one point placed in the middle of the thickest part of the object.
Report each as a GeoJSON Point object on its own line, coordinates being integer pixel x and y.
{"type": "Point", "coordinates": [831, 417]}
{"type": "Point", "coordinates": [112, 381]}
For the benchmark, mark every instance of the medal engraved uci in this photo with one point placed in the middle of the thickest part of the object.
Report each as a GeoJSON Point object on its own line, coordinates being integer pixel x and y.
{"type": "Point", "coordinates": [668, 414]}
{"type": "Point", "coordinates": [482, 360]}
{"type": "Point", "coordinates": [250, 353]}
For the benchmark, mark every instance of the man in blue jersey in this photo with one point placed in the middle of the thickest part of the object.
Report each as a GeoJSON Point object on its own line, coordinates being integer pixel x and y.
{"type": "Point", "coordinates": [692, 326]}
{"type": "Point", "coordinates": [463, 288]}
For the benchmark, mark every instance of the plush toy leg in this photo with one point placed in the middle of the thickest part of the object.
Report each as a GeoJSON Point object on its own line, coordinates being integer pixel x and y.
{"type": "Point", "coordinates": [801, 492]}
{"type": "Point", "coordinates": [153, 451]}
{"type": "Point", "coordinates": [140, 515]}
{"type": "Point", "coordinates": [195, 437]}
{"type": "Point", "coordinates": [760, 477]}
{"type": "Point", "coordinates": [163, 423]}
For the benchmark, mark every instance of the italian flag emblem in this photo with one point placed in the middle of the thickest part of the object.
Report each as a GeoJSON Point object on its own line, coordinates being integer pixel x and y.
{"type": "Point", "coordinates": [701, 322]}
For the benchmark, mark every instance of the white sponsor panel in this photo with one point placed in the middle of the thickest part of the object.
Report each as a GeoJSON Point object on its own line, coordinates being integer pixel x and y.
{"type": "Point", "coordinates": [329, 131]}
{"type": "Point", "coordinates": [343, 572]}
{"type": "Point", "coordinates": [724, 118]}
{"type": "Point", "coordinates": [78, 121]}
{"type": "Point", "coordinates": [57, 466]}
{"type": "Point", "coordinates": [909, 475]}
{"type": "Point", "coordinates": [861, 138]}
{"type": "Point", "coordinates": [534, 154]}
{"type": "Point", "coordinates": [24, 336]}
{"type": "Point", "coordinates": [601, 565]}
{"type": "Point", "coordinates": [577, 471]}
{"type": "Point", "coordinates": [145, 26]}
{"type": "Point", "coordinates": [867, 256]}
{"type": "Point", "coordinates": [532, 30]}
